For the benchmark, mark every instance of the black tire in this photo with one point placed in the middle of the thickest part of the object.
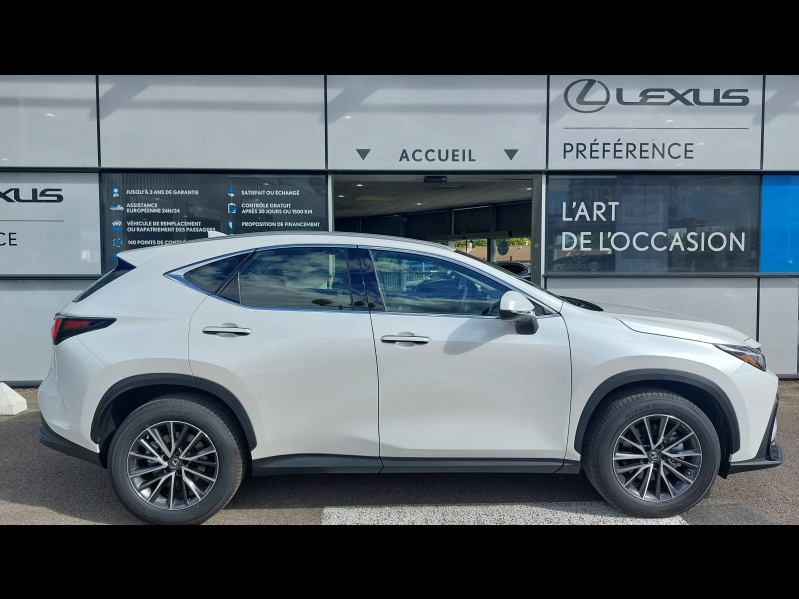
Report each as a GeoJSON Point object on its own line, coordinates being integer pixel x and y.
{"type": "Point", "coordinates": [623, 412]}
{"type": "Point", "coordinates": [195, 411]}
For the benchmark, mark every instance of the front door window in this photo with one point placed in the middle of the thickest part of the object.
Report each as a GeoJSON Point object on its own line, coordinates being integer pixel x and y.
{"type": "Point", "coordinates": [414, 283]}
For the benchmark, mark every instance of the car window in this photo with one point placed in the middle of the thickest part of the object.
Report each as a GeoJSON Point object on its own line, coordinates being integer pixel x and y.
{"type": "Point", "coordinates": [211, 276]}
{"type": "Point", "coordinates": [525, 280]}
{"type": "Point", "coordinates": [416, 284]}
{"type": "Point", "coordinates": [304, 278]}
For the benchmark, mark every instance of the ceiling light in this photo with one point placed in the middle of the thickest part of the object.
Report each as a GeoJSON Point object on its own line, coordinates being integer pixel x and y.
{"type": "Point", "coordinates": [529, 189]}
{"type": "Point", "coordinates": [418, 203]}
{"type": "Point", "coordinates": [49, 114]}
{"type": "Point", "coordinates": [359, 185]}
{"type": "Point", "coordinates": [4, 159]}
{"type": "Point", "coordinates": [341, 195]}
{"type": "Point", "coordinates": [669, 121]}
{"type": "Point", "coordinates": [347, 117]}
{"type": "Point", "coordinates": [266, 183]}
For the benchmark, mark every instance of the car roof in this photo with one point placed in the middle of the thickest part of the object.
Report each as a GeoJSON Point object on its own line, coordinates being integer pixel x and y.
{"type": "Point", "coordinates": [321, 234]}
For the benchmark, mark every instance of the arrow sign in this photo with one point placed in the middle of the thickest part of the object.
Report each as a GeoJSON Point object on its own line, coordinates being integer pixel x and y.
{"type": "Point", "coordinates": [363, 153]}
{"type": "Point", "coordinates": [511, 153]}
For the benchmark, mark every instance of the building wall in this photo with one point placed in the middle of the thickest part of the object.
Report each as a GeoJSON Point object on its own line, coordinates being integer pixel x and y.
{"type": "Point", "coordinates": [732, 302]}
{"type": "Point", "coordinates": [325, 124]}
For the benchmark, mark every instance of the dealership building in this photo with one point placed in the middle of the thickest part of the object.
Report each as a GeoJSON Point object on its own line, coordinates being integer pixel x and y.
{"type": "Point", "coordinates": [674, 193]}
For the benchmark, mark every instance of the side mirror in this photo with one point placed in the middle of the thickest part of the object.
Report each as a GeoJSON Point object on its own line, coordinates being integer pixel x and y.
{"type": "Point", "coordinates": [514, 307]}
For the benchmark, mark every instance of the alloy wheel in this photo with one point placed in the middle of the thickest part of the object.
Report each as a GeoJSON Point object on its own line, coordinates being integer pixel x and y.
{"type": "Point", "coordinates": [657, 458]}
{"type": "Point", "coordinates": [172, 465]}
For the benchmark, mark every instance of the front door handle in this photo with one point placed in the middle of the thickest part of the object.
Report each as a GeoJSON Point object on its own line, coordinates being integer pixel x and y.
{"type": "Point", "coordinates": [234, 330]}
{"type": "Point", "coordinates": [405, 339]}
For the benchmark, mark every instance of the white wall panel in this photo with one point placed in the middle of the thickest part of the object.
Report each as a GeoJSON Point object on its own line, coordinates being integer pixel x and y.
{"type": "Point", "coordinates": [651, 122]}
{"type": "Point", "coordinates": [732, 302]}
{"type": "Point", "coordinates": [48, 120]}
{"type": "Point", "coordinates": [779, 327]}
{"type": "Point", "coordinates": [221, 121]}
{"type": "Point", "coordinates": [781, 123]}
{"type": "Point", "coordinates": [437, 123]}
{"type": "Point", "coordinates": [26, 315]}
{"type": "Point", "coordinates": [55, 233]}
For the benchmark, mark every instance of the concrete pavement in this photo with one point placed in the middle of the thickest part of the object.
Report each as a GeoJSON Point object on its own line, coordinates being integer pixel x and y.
{"type": "Point", "coordinates": [41, 486]}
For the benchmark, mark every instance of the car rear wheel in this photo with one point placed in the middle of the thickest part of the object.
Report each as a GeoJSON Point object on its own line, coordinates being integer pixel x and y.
{"type": "Point", "coordinates": [176, 460]}
{"type": "Point", "coordinates": [652, 453]}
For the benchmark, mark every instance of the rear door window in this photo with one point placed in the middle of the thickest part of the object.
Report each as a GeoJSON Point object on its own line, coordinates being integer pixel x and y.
{"type": "Point", "coordinates": [298, 278]}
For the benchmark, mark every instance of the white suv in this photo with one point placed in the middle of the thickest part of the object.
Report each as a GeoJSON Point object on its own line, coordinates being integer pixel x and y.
{"type": "Point", "coordinates": [326, 352]}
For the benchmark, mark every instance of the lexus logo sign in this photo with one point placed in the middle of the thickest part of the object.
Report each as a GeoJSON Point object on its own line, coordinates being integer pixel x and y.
{"type": "Point", "coordinates": [577, 92]}
{"type": "Point", "coordinates": [575, 96]}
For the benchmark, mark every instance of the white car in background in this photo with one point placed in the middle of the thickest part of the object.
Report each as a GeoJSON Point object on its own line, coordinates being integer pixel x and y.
{"type": "Point", "coordinates": [313, 352]}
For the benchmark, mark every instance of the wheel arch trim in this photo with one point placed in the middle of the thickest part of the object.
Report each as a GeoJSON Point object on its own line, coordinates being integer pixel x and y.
{"type": "Point", "coordinates": [183, 380]}
{"type": "Point", "coordinates": [654, 375]}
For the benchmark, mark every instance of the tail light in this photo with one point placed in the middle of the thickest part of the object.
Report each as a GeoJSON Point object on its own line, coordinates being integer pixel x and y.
{"type": "Point", "coordinates": [65, 327]}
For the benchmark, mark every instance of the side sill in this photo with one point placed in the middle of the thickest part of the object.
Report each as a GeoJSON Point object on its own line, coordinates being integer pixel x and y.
{"type": "Point", "coordinates": [347, 464]}
{"type": "Point", "coordinates": [314, 463]}
{"type": "Point", "coordinates": [570, 467]}
{"type": "Point", "coordinates": [398, 465]}
{"type": "Point", "coordinates": [55, 441]}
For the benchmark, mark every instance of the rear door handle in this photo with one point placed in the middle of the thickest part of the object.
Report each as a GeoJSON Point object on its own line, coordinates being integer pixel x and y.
{"type": "Point", "coordinates": [230, 330]}
{"type": "Point", "coordinates": [405, 339]}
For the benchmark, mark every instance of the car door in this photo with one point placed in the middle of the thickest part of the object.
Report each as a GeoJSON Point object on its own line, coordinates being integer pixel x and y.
{"type": "Point", "coordinates": [455, 381]}
{"type": "Point", "coordinates": [289, 338]}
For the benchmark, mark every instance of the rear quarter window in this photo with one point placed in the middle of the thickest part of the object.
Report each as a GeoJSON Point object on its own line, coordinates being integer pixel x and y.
{"type": "Point", "coordinates": [211, 277]}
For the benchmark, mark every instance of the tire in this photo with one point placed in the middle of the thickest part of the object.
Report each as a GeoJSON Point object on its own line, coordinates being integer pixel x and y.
{"type": "Point", "coordinates": [620, 481]}
{"type": "Point", "coordinates": [164, 488]}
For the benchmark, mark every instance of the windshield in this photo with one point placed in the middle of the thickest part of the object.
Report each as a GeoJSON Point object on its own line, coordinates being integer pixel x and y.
{"type": "Point", "coordinates": [507, 272]}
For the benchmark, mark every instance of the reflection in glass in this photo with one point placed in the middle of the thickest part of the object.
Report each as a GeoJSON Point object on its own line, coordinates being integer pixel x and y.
{"type": "Point", "coordinates": [421, 284]}
{"type": "Point", "coordinates": [652, 223]}
{"type": "Point", "coordinates": [212, 276]}
{"type": "Point", "coordinates": [310, 278]}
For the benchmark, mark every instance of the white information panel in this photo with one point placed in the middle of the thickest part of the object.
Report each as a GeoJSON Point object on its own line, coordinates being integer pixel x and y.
{"type": "Point", "coordinates": [653, 122]}
{"type": "Point", "coordinates": [436, 123]}
{"type": "Point", "coordinates": [49, 224]}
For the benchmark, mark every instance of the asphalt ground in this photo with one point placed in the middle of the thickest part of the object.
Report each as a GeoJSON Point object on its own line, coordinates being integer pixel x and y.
{"type": "Point", "coordinates": [41, 486]}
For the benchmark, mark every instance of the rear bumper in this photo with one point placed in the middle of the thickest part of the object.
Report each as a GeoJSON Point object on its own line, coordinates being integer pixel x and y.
{"type": "Point", "coordinates": [55, 441]}
{"type": "Point", "coordinates": [768, 456]}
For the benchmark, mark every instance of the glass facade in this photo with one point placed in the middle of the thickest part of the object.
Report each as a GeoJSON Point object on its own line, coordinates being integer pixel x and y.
{"type": "Point", "coordinates": [652, 224]}
{"type": "Point", "coordinates": [780, 224]}
{"type": "Point", "coordinates": [141, 209]}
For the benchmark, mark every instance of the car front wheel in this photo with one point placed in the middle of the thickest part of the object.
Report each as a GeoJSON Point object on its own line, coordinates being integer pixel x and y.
{"type": "Point", "coordinates": [652, 453]}
{"type": "Point", "coordinates": [176, 460]}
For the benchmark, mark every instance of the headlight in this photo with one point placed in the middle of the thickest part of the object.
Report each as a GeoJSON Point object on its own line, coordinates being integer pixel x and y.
{"type": "Point", "coordinates": [750, 355]}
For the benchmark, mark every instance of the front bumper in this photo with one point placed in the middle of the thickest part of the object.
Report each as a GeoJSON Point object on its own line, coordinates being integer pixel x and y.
{"type": "Point", "coordinates": [768, 456]}
{"type": "Point", "coordinates": [55, 441]}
